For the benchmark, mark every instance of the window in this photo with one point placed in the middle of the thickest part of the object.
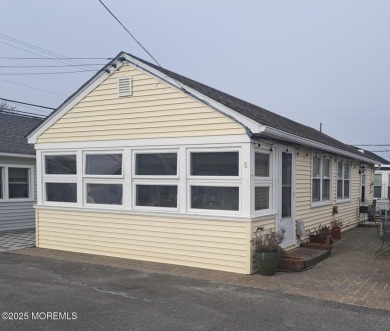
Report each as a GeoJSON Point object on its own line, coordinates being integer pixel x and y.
{"type": "Point", "coordinates": [148, 192]}
{"type": "Point", "coordinates": [214, 164]}
{"type": "Point", "coordinates": [60, 164]}
{"type": "Point", "coordinates": [208, 189]}
{"type": "Point", "coordinates": [363, 187]}
{"type": "Point", "coordinates": [156, 196]}
{"type": "Point", "coordinates": [263, 181]}
{"type": "Point", "coordinates": [321, 179]}
{"type": "Point", "coordinates": [214, 197]}
{"type": "Point", "coordinates": [343, 180]}
{"type": "Point", "coordinates": [16, 183]}
{"type": "Point", "coordinates": [378, 186]}
{"type": "Point", "coordinates": [1, 182]}
{"type": "Point", "coordinates": [60, 178]}
{"type": "Point", "coordinates": [103, 179]}
{"type": "Point", "coordinates": [103, 164]}
{"type": "Point", "coordinates": [156, 164]}
{"type": "Point", "coordinates": [61, 192]}
{"type": "Point", "coordinates": [388, 188]}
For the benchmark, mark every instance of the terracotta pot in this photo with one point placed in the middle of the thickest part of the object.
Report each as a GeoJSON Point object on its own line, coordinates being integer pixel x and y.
{"type": "Point", "coordinates": [320, 239]}
{"type": "Point", "coordinates": [336, 232]}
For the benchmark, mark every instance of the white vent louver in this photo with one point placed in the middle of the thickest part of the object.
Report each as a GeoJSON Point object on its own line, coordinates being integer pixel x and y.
{"type": "Point", "coordinates": [124, 86]}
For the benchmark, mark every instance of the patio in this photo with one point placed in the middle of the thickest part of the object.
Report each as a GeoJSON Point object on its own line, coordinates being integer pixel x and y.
{"type": "Point", "coordinates": [351, 275]}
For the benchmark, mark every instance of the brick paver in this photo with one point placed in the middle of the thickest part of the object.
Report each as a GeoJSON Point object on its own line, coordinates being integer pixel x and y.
{"type": "Point", "coordinates": [351, 275]}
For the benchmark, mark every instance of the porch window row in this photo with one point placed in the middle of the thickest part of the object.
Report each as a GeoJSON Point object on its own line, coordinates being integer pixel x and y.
{"type": "Point", "coordinates": [213, 179]}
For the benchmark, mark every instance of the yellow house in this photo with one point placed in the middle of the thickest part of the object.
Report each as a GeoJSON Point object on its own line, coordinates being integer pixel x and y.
{"type": "Point", "coordinates": [146, 164]}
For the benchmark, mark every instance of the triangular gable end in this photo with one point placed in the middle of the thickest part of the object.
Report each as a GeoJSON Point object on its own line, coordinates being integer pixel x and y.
{"type": "Point", "coordinates": [153, 109]}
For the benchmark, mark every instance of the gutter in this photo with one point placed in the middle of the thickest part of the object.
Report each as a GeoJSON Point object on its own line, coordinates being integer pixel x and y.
{"type": "Point", "coordinates": [310, 143]}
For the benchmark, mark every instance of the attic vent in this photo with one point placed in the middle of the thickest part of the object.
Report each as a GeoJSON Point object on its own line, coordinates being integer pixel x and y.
{"type": "Point", "coordinates": [124, 86]}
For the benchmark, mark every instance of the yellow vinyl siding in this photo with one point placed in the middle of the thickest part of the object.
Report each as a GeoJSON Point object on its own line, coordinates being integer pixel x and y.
{"type": "Point", "coordinates": [314, 215]}
{"type": "Point", "coordinates": [210, 244]}
{"type": "Point", "coordinates": [155, 110]}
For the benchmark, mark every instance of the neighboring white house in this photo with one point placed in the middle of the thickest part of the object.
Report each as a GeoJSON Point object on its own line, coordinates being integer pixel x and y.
{"type": "Point", "coordinates": [146, 164]}
{"type": "Point", "coordinates": [17, 172]}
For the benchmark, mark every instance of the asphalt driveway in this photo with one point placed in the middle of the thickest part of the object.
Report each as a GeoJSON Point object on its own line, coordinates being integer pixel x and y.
{"type": "Point", "coordinates": [41, 293]}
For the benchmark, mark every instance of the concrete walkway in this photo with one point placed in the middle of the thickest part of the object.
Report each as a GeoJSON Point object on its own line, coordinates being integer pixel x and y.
{"type": "Point", "coordinates": [351, 275]}
{"type": "Point", "coordinates": [12, 240]}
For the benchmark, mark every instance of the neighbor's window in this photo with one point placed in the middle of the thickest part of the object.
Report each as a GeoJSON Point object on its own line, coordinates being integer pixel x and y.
{"type": "Point", "coordinates": [60, 164]}
{"type": "Point", "coordinates": [388, 188]}
{"type": "Point", "coordinates": [214, 164]}
{"type": "Point", "coordinates": [214, 197]}
{"type": "Point", "coordinates": [378, 186]}
{"type": "Point", "coordinates": [343, 180]}
{"type": "Point", "coordinates": [321, 179]}
{"type": "Point", "coordinates": [103, 179]}
{"type": "Point", "coordinates": [263, 181]}
{"type": "Point", "coordinates": [148, 166]}
{"type": "Point", "coordinates": [18, 183]}
{"type": "Point", "coordinates": [61, 192]}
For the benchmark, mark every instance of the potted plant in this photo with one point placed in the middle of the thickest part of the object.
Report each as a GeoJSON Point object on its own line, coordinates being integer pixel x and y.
{"type": "Point", "coordinates": [267, 249]}
{"type": "Point", "coordinates": [321, 235]}
{"type": "Point", "coordinates": [336, 228]}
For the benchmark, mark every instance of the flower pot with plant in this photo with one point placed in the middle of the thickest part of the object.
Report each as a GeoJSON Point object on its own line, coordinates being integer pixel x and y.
{"type": "Point", "coordinates": [321, 235]}
{"type": "Point", "coordinates": [336, 228]}
{"type": "Point", "coordinates": [267, 249]}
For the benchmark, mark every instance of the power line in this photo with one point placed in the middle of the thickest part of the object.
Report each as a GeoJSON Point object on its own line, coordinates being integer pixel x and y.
{"type": "Point", "coordinates": [28, 104]}
{"type": "Point", "coordinates": [381, 145]}
{"type": "Point", "coordinates": [44, 73]}
{"type": "Point", "coordinates": [129, 32]}
{"type": "Point", "coordinates": [39, 49]}
{"type": "Point", "coordinates": [55, 58]}
{"type": "Point", "coordinates": [55, 66]}
{"type": "Point", "coordinates": [35, 88]}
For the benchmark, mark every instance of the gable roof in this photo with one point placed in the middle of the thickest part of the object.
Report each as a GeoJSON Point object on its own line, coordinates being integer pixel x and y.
{"type": "Point", "coordinates": [13, 130]}
{"type": "Point", "coordinates": [268, 124]}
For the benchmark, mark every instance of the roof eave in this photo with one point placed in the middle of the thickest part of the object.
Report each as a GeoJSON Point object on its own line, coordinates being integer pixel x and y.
{"type": "Point", "coordinates": [314, 144]}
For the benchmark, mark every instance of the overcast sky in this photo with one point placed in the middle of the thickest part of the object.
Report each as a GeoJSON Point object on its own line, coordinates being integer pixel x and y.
{"type": "Point", "coordinates": [310, 61]}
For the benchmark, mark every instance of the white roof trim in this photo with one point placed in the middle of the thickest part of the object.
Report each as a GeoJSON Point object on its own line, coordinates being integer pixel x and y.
{"type": "Point", "coordinates": [29, 156]}
{"type": "Point", "coordinates": [310, 143]}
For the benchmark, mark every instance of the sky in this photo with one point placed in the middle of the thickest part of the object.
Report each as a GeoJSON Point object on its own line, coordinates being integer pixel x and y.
{"type": "Point", "coordinates": [311, 61]}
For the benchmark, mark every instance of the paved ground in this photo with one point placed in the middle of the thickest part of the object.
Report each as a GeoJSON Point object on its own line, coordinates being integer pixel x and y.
{"type": "Point", "coordinates": [53, 294]}
{"type": "Point", "coordinates": [351, 275]}
{"type": "Point", "coordinates": [11, 240]}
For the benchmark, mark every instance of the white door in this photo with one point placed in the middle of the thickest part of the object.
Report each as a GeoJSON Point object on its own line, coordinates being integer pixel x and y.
{"type": "Point", "coordinates": [286, 195]}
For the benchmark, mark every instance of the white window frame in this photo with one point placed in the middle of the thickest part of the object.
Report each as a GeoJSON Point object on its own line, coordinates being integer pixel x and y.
{"type": "Point", "coordinates": [214, 211]}
{"type": "Point", "coordinates": [321, 202]}
{"type": "Point", "coordinates": [213, 150]}
{"type": "Point", "coordinates": [100, 152]}
{"type": "Point", "coordinates": [155, 151]}
{"type": "Point", "coordinates": [59, 178]}
{"type": "Point", "coordinates": [102, 179]}
{"type": "Point", "coordinates": [215, 181]}
{"type": "Point", "coordinates": [155, 180]}
{"type": "Point", "coordinates": [5, 182]}
{"type": "Point", "coordinates": [264, 182]}
{"type": "Point", "coordinates": [155, 183]}
{"type": "Point", "coordinates": [381, 186]}
{"type": "Point", "coordinates": [343, 179]}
